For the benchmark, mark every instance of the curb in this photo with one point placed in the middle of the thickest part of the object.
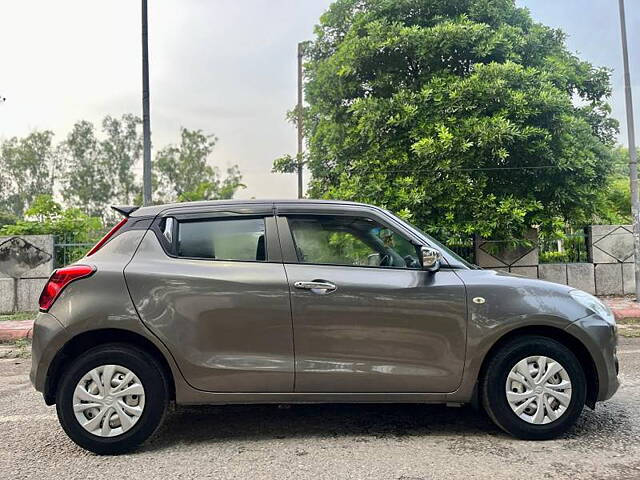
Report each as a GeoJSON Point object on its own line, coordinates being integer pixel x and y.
{"type": "Point", "coordinates": [626, 314]}
{"type": "Point", "coordinates": [624, 309]}
{"type": "Point", "coordinates": [11, 331]}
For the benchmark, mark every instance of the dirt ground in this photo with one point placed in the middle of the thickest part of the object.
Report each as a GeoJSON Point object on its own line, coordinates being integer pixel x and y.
{"type": "Point", "coordinates": [407, 442]}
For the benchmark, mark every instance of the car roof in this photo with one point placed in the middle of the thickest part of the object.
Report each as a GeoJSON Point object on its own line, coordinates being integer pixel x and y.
{"type": "Point", "coordinates": [153, 210]}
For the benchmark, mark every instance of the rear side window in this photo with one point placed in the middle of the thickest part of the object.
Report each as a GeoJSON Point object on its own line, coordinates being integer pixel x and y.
{"type": "Point", "coordinates": [228, 239]}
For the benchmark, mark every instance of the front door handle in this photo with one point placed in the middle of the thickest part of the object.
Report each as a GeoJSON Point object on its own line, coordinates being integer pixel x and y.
{"type": "Point", "coordinates": [316, 286]}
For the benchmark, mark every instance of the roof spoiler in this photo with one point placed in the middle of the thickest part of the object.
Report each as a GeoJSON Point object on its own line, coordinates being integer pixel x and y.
{"type": "Point", "coordinates": [124, 210]}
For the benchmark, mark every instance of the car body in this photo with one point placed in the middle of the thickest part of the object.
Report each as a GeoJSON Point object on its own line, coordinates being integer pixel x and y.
{"type": "Point", "coordinates": [341, 302]}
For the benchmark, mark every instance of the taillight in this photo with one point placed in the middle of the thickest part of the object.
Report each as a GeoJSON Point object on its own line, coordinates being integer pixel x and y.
{"type": "Point", "coordinates": [59, 280]}
{"type": "Point", "coordinates": [106, 238]}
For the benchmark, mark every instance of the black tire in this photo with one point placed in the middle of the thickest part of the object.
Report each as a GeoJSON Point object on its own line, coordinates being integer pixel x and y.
{"type": "Point", "coordinates": [150, 374]}
{"type": "Point", "coordinates": [493, 394]}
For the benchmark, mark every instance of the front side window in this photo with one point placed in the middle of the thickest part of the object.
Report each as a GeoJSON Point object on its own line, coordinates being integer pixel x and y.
{"type": "Point", "coordinates": [356, 241]}
{"type": "Point", "coordinates": [228, 239]}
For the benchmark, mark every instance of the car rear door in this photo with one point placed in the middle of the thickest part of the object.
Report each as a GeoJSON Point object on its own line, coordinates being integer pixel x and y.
{"type": "Point", "coordinates": [362, 327]}
{"type": "Point", "coordinates": [211, 285]}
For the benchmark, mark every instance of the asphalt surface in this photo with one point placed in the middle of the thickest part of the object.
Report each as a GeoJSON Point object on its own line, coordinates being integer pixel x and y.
{"type": "Point", "coordinates": [407, 442]}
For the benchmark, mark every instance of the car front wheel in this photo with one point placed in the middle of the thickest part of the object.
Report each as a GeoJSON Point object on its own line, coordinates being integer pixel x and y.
{"type": "Point", "coordinates": [534, 388]}
{"type": "Point", "coordinates": [112, 398]}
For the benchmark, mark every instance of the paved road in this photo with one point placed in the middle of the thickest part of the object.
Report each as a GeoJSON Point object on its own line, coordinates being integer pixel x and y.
{"type": "Point", "coordinates": [407, 442]}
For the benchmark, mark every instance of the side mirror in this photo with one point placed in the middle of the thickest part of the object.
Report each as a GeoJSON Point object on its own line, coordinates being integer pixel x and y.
{"type": "Point", "coordinates": [430, 259]}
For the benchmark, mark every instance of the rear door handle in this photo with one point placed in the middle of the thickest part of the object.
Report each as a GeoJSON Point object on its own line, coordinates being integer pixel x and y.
{"type": "Point", "coordinates": [316, 286]}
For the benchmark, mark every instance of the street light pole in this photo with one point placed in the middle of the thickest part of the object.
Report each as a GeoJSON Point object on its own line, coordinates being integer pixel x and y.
{"type": "Point", "coordinates": [300, 134]}
{"type": "Point", "coordinates": [633, 156]}
{"type": "Point", "coordinates": [146, 122]}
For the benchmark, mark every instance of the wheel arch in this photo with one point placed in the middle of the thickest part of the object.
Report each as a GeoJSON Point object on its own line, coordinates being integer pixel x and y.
{"type": "Point", "coordinates": [92, 338]}
{"type": "Point", "coordinates": [559, 335]}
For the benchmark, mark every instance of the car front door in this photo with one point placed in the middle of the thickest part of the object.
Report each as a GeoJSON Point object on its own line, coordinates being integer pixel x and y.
{"type": "Point", "coordinates": [211, 285]}
{"type": "Point", "coordinates": [366, 317]}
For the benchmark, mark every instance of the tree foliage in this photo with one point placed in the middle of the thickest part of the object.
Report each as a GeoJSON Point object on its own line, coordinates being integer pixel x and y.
{"type": "Point", "coordinates": [616, 199]}
{"type": "Point", "coordinates": [183, 171]}
{"type": "Point", "coordinates": [94, 168]}
{"type": "Point", "coordinates": [25, 170]}
{"type": "Point", "coordinates": [122, 149]}
{"type": "Point", "coordinates": [47, 217]}
{"type": "Point", "coordinates": [7, 218]}
{"type": "Point", "coordinates": [87, 175]}
{"type": "Point", "coordinates": [96, 171]}
{"type": "Point", "coordinates": [465, 116]}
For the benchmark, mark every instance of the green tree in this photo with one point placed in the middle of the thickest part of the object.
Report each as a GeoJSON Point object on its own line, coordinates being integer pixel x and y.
{"type": "Point", "coordinates": [87, 176]}
{"type": "Point", "coordinates": [616, 206]}
{"type": "Point", "coordinates": [43, 209]}
{"type": "Point", "coordinates": [25, 170]}
{"type": "Point", "coordinates": [45, 216]}
{"type": "Point", "coordinates": [7, 218]}
{"type": "Point", "coordinates": [620, 167]}
{"type": "Point", "coordinates": [616, 196]}
{"type": "Point", "coordinates": [465, 116]}
{"type": "Point", "coordinates": [121, 150]}
{"type": "Point", "coordinates": [183, 173]}
{"type": "Point", "coordinates": [96, 172]}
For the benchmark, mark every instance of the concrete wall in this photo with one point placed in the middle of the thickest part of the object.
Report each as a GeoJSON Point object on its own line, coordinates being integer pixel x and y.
{"type": "Point", "coordinates": [30, 259]}
{"type": "Point", "coordinates": [610, 271]}
{"type": "Point", "coordinates": [578, 275]}
{"type": "Point", "coordinates": [522, 259]}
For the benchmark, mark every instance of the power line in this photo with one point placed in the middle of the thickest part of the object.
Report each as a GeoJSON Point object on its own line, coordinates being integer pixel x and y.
{"type": "Point", "coordinates": [461, 169]}
{"type": "Point", "coordinates": [469, 169]}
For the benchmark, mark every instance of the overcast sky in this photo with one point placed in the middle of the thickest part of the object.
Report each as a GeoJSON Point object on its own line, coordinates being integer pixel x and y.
{"type": "Point", "coordinates": [227, 67]}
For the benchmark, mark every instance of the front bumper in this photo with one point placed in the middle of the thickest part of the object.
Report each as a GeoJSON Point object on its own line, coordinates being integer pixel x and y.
{"type": "Point", "coordinates": [601, 340]}
{"type": "Point", "coordinates": [48, 338]}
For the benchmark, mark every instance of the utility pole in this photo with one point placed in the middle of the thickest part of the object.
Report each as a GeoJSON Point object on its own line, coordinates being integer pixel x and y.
{"type": "Point", "coordinates": [633, 156]}
{"type": "Point", "coordinates": [146, 122]}
{"type": "Point", "coordinates": [300, 134]}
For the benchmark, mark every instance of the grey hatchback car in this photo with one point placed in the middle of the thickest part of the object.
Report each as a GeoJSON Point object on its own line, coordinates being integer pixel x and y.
{"type": "Point", "coordinates": [305, 301]}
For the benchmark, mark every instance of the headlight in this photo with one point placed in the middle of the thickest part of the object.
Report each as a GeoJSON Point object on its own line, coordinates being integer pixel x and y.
{"type": "Point", "coordinates": [592, 303]}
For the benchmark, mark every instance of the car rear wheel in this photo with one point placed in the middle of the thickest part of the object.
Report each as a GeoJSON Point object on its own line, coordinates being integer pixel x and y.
{"type": "Point", "coordinates": [112, 398]}
{"type": "Point", "coordinates": [534, 388]}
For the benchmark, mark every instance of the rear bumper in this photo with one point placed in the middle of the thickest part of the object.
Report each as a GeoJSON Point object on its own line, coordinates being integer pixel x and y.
{"type": "Point", "coordinates": [48, 337]}
{"type": "Point", "coordinates": [601, 339]}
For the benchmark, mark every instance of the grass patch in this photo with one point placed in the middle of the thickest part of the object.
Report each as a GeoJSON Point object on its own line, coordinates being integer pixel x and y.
{"type": "Point", "coordinates": [629, 321]}
{"type": "Point", "coordinates": [18, 316]}
{"type": "Point", "coordinates": [629, 331]}
{"type": "Point", "coordinates": [17, 349]}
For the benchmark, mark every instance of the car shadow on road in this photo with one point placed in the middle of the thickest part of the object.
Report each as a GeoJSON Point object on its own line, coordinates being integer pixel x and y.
{"type": "Point", "coordinates": [366, 422]}
{"type": "Point", "coordinates": [266, 422]}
